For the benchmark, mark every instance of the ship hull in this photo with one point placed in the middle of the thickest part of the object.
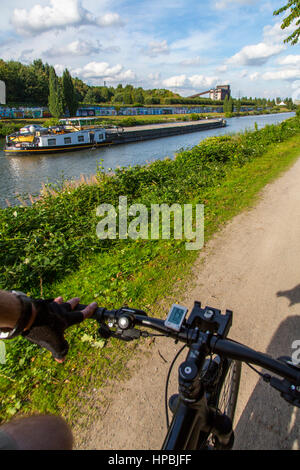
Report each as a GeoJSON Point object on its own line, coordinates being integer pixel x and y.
{"type": "Point", "coordinates": [14, 151]}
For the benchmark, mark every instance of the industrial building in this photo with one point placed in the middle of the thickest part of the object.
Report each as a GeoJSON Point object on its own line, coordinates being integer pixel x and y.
{"type": "Point", "coordinates": [218, 93]}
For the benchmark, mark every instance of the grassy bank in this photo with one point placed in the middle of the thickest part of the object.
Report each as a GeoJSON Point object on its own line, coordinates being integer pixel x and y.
{"type": "Point", "coordinates": [53, 246]}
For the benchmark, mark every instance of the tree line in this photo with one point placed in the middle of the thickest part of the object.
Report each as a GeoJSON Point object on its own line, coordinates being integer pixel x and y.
{"type": "Point", "coordinates": [37, 84]}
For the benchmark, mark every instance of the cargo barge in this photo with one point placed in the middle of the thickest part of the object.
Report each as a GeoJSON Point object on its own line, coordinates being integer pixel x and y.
{"type": "Point", "coordinates": [157, 131]}
{"type": "Point", "coordinates": [80, 134]}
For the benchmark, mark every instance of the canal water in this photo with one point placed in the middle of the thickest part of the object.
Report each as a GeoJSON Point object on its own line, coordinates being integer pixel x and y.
{"type": "Point", "coordinates": [21, 175]}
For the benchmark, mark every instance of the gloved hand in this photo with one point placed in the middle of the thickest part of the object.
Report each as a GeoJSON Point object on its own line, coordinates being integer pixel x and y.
{"type": "Point", "coordinates": [51, 319]}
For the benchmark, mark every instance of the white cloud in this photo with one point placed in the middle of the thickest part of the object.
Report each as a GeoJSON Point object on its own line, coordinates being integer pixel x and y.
{"type": "Point", "coordinates": [296, 85]}
{"type": "Point", "coordinates": [108, 19]}
{"type": "Point", "coordinates": [197, 82]}
{"type": "Point", "coordinates": [290, 60]}
{"type": "Point", "coordinates": [78, 48]}
{"type": "Point", "coordinates": [98, 69]}
{"type": "Point", "coordinates": [256, 54]}
{"type": "Point", "coordinates": [254, 76]}
{"type": "Point", "coordinates": [197, 40]}
{"type": "Point", "coordinates": [223, 4]}
{"type": "Point", "coordinates": [75, 48]}
{"type": "Point", "coordinates": [176, 81]}
{"type": "Point", "coordinates": [200, 81]}
{"type": "Point", "coordinates": [191, 62]}
{"type": "Point", "coordinates": [59, 68]}
{"type": "Point", "coordinates": [126, 75]}
{"type": "Point", "coordinates": [155, 78]}
{"type": "Point", "coordinates": [102, 70]}
{"type": "Point", "coordinates": [58, 15]}
{"type": "Point", "coordinates": [26, 56]}
{"type": "Point", "coordinates": [286, 74]}
{"type": "Point", "coordinates": [267, 7]}
{"type": "Point", "coordinates": [274, 34]}
{"type": "Point", "coordinates": [156, 48]}
{"type": "Point", "coordinates": [296, 92]}
{"type": "Point", "coordinates": [222, 68]}
{"type": "Point", "coordinates": [259, 54]}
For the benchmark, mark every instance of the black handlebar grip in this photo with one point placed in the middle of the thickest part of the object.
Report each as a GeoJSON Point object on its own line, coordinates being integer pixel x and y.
{"type": "Point", "coordinates": [97, 315]}
{"type": "Point", "coordinates": [80, 307]}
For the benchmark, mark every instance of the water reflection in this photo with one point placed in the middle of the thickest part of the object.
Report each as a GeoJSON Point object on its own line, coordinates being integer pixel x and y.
{"type": "Point", "coordinates": [26, 174]}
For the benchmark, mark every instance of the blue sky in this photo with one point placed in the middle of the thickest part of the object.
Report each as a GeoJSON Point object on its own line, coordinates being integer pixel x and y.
{"type": "Point", "coordinates": [187, 46]}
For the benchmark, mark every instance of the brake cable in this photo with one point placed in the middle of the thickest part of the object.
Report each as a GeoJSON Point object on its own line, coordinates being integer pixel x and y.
{"type": "Point", "coordinates": [266, 377]}
{"type": "Point", "coordinates": [167, 383]}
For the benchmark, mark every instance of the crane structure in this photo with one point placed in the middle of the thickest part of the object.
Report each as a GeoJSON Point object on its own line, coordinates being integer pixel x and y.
{"type": "Point", "coordinates": [218, 93]}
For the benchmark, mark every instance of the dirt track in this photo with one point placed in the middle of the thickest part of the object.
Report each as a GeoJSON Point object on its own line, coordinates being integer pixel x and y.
{"type": "Point", "coordinates": [253, 268]}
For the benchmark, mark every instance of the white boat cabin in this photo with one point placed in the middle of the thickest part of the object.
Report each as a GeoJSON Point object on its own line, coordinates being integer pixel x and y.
{"type": "Point", "coordinates": [94, 136]}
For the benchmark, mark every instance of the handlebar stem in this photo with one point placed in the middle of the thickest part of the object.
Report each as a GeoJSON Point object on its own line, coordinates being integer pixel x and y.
{"type": "Point", "coordinates": [190, 386]}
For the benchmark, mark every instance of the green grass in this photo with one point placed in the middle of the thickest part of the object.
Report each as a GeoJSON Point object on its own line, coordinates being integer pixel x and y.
{"type": "Point", "coordinates": [144, 274]}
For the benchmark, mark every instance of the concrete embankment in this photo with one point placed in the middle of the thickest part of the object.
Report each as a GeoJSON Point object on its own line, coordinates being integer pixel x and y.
{"type": "Point", "coordinates": [156, 131]}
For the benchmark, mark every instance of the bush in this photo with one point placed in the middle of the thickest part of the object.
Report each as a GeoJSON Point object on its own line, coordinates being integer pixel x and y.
{"type": "Point", "coordinates": [130, 121]}
{"type": "Point", "coordinates": [51, 122]}
{"type": "Point", "coordinates": [8, 128]}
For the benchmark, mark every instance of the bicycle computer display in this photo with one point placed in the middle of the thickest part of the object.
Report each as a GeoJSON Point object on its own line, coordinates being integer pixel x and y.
{"type": "Point", "coordinates": [175, 317]}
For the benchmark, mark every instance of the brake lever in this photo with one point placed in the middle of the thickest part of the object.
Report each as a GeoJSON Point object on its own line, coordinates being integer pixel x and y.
{"type": "Point", "coordinates": [127, 335]}
{"type": "Point", "coordinates": [124, 335]}
{"type": "Point", "coordinates": [288, 391]}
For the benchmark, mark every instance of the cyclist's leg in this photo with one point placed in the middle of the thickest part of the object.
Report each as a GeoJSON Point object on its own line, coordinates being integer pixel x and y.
{"type": "Point", "coordinates": [45, 432]}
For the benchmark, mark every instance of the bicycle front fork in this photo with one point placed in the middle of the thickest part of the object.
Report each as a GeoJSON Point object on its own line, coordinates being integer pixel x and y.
{"type": "Point", "coordinates": [218, 424]}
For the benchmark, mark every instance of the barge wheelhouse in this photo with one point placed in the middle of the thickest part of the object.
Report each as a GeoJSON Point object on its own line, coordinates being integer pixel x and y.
{"type": "Point", "coordinates": [53, 140]}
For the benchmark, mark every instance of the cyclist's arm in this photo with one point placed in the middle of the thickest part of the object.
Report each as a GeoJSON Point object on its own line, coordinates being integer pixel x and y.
{"type": "Point", "coordinates": [41, 322]}
{"type": "Point", "coordinates": [10, 310]}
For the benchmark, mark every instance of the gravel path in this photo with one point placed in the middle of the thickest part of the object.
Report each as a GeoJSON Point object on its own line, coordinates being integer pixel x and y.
{"type": "Point", "coordinates": [253, 268]}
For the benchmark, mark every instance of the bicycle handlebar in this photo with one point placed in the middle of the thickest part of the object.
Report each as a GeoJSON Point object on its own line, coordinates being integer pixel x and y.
{"type": "Point", "coordinates": [224, 347]}
{"type": "Point", "coordinates": [240, 352]}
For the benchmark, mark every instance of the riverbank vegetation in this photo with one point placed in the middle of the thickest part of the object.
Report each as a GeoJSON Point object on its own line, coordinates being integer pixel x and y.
{"type": "Point", "coordinates": [50, 248]}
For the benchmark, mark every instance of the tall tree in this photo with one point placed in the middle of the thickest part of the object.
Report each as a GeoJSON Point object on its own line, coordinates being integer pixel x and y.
{"type": "Point", "coordinates": [127, 97]}
{"type": "Point", "coordinates": [118, 98]}
{"type": "Point", "coordinates": [293, 7]}
{"type": "Point", "coordinates": [93, 96]}
{"type": "Point", "coordinates": [105, 94]}
{"type": "Point", "coordinates": [138, 96]}
{"type": "Point", "coordinates": [225, 104]}
{"type": "Point", "coordinates": [69, 94]}
{"type": "Point", "coordinates": [55, 102]}
{"type": "Point", "coordinates": [230, 105]}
